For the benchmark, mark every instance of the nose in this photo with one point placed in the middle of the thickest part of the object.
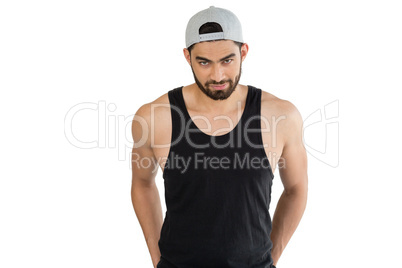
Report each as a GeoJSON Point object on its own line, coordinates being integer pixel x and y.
{"type": "Point", "coordinates": [217, 73]}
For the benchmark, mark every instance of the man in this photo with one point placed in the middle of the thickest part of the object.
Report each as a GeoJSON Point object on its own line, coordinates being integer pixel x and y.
{"type": "Point", "coordinates": [218, 143]}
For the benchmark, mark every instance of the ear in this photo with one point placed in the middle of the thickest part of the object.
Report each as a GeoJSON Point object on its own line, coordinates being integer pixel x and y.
{"type": "Point", "coordinates": [187, 55]}
{"type": "Point", "coordinates": [244, 51]}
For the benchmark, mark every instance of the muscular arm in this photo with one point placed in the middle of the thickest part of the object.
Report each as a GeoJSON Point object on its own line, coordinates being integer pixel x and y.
{"type": "Point", "coordinates": [293, 173]}
{"type": "Point", "coordinates": [144, 193]}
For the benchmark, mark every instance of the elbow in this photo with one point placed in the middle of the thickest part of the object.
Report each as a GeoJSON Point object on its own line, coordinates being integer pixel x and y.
{"type": "Point", "coordinates": [298, 191]}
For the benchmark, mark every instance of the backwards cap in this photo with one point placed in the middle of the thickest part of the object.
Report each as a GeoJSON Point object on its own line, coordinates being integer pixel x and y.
{"type": "Point", "coordinates": [226, 19]}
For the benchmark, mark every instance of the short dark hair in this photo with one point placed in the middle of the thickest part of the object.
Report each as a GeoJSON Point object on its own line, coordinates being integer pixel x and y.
{"type": "Point", "coordinates": [211, 27]}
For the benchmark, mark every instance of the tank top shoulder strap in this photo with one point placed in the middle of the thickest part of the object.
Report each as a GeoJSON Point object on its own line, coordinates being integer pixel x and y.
{"type": "Point", "coordinates": [176, 96]}
{"type": "Point", "coordinates": [177, 111]}
{"type": "Point", "coordinates": [253, 103]}
{"type": "Point", "coordinates": [254, 100]}
{"type": "Point", "coordinates": [251, 120]}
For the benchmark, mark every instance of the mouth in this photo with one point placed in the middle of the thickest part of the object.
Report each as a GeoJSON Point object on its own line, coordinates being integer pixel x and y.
{"type": "Point", "coordinates": [219, 87]}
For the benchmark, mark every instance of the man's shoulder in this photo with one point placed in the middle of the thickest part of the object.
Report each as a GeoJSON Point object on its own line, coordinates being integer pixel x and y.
{"type": "Point", "coordinates": [157, 107]}
{"type": "Point", "coordinates": [151, 115]}
{"type": "Point", "coordinates": [273, 105]}
{"type": "Point", "coordinates": [283, 113]}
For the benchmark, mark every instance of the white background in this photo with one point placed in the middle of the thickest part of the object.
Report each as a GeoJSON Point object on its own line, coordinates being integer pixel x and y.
{"type": "Point", "coordinates": [66, 206]}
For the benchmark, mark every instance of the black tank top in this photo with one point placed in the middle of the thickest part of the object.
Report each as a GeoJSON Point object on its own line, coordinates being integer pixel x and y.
{"type": "Point", "coordinates": [217, 192]}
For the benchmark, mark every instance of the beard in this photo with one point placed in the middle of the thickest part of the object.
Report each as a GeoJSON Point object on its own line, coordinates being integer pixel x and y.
{"type": "Point", "coordinates": [218, 94]}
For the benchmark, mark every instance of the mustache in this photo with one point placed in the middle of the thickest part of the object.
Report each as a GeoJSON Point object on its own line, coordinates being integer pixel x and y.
{"type": "Point", "coordinates": [217, 83]}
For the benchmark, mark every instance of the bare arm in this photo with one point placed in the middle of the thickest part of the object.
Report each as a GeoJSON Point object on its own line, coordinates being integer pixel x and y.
{"type": "Point", "coordinates": [144, 193]}
{"type": "Point", "coordinates": [293, 173]}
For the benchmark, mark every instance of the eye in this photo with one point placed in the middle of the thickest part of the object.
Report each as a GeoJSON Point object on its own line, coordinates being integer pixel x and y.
{"type": "Point", "coordinates": [227, 61]}
{"type": "Point", "coordinates": [203, 63]}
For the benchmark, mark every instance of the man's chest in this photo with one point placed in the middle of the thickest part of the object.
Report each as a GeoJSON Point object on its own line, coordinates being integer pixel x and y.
{"type": "Point", "coordinates": [161, 139]}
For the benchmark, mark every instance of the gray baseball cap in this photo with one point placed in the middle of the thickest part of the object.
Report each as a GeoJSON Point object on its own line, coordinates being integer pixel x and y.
{"type": "Point", "coordinates": [226, 19]}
